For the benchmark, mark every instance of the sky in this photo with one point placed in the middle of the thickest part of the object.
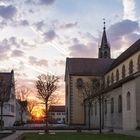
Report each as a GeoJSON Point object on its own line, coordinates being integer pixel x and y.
{"type": "Point", "coordinates": [36, 36]}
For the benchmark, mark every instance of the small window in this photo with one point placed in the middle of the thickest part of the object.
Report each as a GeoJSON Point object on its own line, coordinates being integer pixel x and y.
{"type": "Point", "coordinates": [120, 104]}
{"type": "Point", "coordinates": [105, 54]}
{"type": "Point", "coordinates": [79, 83]}
{"type": "Point", "coordinates": [112, 78]}
{"type": "Point", "coordinates": [123, 71]}
{"type": "Point", "coordinates": [131, 67]}
{"type": "Point", "coordinates": [128, 101]}
{"type": "Point", "coordinates": [112, 105]}
{"type": "Point", "coordinates": [105, 106]}
{"type": "Point", "coordinates": [108, 80]}
{"type": "Point", "coordinates": [117, 75]}
{"type": "Point", "coordinates": [139, 62]}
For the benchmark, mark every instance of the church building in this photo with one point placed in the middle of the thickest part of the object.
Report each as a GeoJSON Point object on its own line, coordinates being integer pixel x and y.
{"type": "Point", "coordinates": [114, 81]}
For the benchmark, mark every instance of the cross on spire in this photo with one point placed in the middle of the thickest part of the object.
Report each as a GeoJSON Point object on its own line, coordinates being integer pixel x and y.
{"type": "Point", "coordinates": [104, 23]}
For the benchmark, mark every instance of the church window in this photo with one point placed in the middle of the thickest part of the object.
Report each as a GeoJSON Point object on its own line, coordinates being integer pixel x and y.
{"type": "Point", "coordinates": [112, 105]}
{"type": "Point", "coordinates": [139, 62]}
{"type": "Point", "coordinates": [112, 78]}
{"type": "Point", "coordinates": [123, 71]}
{"type": "Point", "coordinates": [95, 108]}
{"type": "Point", "coordinates": [117, 75]}
{"type": "Point", "coordinates": [108, 80]}
{"type": "Point", "coordinates": [131, 67]}
{"type": "Point", "coordinates": [105, 106]}
{"type": "Point", "coordinates": [128, 101]}
{"type": "Point", "coordinates": [120, 104]}
{"type": "Point", "coordinates": [79, 83]}
{"type": "Point", "coordinates": [105, 54]}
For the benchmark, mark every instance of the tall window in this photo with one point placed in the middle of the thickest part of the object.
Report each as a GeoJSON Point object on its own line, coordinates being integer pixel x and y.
{"type": "Point", "coordinates": [131, 67]}
{"type": "Point", "coordinates": [117, 75]}
{"type": "Point", "coordinates": [139, 62]}
{"type": "Point", "coordinates": [95, 108]}
{"type": "Point", "coordinates": [123, 71]}
{"type": "Point", "coordinates": [112, 78]}
{"type": "Point", "coordinates": [108, 80]}
{"type": "Point", "coordinates": [112, 105]}
{"type": "Point", "coordinates": [105, 106]}
{"type": "Point", "coordinates": [128, 101]}
{"type": "Point", "coordinates": [120, 104]}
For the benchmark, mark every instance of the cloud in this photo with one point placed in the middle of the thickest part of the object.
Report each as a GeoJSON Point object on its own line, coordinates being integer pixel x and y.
{"type": "Point", "coordinates": [68, 25]}
{"type": "Point", "coordinates": [50, 35]}
{"type": "Point", "coordinates": [24, 22]}
{"type": "Point", "coordinates": [17, 53]}
{"type": "Point", "coordinates": [42, 62]}
{"type": "Point", "coordinates": [46, 2]}
{"type": "Point", "coordinates": [83, 50]}
{"type": "Point", "coordinates": [7, 12]}
{"type": "Point", "coordinates": [4, 49]}
{"type": "Point", "coordinates": [39, 25]}
{"type": "Point", "coordinates": [129, 9]}
{"type": "Point", "coordinates": [124, 27]}
{"type": "Point", "coordinates": [40, 2]}
{"type": "Point", "coordinates": [121, 35]}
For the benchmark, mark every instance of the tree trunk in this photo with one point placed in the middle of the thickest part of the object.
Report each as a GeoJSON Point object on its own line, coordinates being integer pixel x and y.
{"type": "Point", "coordinates": [100, 114]}
{"type": "Point", "coordinates": [46, 121]}
{"type": "Point", "coordinates": [89, 115]}
{"type": "Point", "coordinates": [21, 117]}
{"type": "Point", "coordinates": [1, 117]}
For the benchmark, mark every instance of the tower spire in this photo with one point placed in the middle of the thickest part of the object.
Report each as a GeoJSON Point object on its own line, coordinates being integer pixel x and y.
{"type": "Point", "coordinates": [104, 50]}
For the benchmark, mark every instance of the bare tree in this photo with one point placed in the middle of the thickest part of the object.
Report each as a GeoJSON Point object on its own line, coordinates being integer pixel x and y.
{"type": "Point", "coordinates": [31, 105]}
{"type": "Point", "coordinates": [22, 94]}
{"type": "Point", "coordinates": [46, 86]}
{"type": "Point", "coordinates": [86, 90]}
{"type": "Point", "coordinates": [23, 108]}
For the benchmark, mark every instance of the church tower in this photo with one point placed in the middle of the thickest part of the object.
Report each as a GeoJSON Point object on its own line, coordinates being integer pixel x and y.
{"type": "Point", "coordinates": [104, 49]}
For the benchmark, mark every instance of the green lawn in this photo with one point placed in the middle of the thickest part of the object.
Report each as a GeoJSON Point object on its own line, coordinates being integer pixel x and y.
{"type": "Point", "coordinates": [78, 136]}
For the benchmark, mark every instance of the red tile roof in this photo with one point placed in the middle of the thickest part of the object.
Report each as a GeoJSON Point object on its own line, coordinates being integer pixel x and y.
{"type": "Point", "coordinates": [57, 109]}
{"type": "Point", "coordinates": [88, 66]}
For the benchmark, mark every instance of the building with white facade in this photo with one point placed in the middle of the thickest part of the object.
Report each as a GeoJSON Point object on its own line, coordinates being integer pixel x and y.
{"type": "Point", "coordinates": [57, 114]}
{"type": "Point", "coordinates": [7, 98]}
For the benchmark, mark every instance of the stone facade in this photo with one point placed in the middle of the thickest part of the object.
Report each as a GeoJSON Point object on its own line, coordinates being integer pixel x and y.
{"type": "Point", "coordinates": [119, 90]}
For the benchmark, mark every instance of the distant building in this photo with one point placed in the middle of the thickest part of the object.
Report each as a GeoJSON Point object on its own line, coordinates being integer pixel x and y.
{"type": "Point", "coordinates": [120, 80]}
{"type": "Point", "coordinates": [57, 114]}
{"type": "Point", "coordinates": [22, 113]}
{"type": "Point", "coordinates": [7, 94]}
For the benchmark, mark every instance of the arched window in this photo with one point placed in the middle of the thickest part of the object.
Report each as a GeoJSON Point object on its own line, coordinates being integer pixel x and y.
{"type": "Point", "coordinates": [139, 62]}
{"type": "Point", "coordinates": [112, 105]}
{"type": "Point", "coordinates": [105, 106]}
{"type": "Point", "coordinates": [108, 80]}
{"type": "Point", "coordinates": [120, 104]}
{"type": "Point", "coordinates": [112, 78]}
{"type": "Point", "coordinates": [95, 108]}
{"type": "Point", "coordinates": [128, 101]}
{"type": "Point", "coordinates": [79, 83]}
{"type": "Point", "coordinates": [123, 71]}
{"type": "Point", "coordinates": [117, 75]}
{"type": "Point", "coordinates": [105, 54]}
{"type": "Point", "coordinates": [131, 67]}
